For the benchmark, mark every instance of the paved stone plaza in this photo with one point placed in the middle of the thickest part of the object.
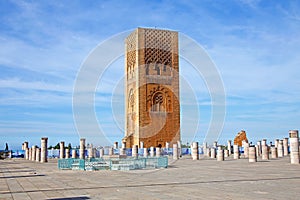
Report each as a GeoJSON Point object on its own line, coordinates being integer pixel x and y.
{"type": "Point", "coordinates": [184, 179]}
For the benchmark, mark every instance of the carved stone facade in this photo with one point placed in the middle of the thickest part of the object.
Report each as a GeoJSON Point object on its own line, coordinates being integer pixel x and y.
{"type": "Point", "coordinates": [152, 88]}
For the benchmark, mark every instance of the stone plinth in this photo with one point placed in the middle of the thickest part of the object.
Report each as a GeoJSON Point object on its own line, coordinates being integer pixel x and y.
{"type": "Point", "coordinates": [265, 152]}
{"type": "Point", "coordinates": [175, 152]}
{"type": "Point", "coordinates": [62, 150]}
{"type": "Point", "coordinates": [195, 151]}
{"type": "Point", "coordinates": [236, 153]}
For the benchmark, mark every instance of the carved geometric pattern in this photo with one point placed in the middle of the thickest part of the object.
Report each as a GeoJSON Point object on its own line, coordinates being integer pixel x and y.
{"type": "Point", "coordinates": [158, 47]}
{"type": "Point", "coordinates": [131, 52]}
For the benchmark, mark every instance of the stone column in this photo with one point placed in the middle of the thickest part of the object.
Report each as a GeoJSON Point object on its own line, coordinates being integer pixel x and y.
{"type": "Point", "coordinates": [116, 145]}
{"type": "Point", "coordinates": [82, 148]}
{"type": "Point", "coordinates": [141, 145]}
{"type": "Point", "coordinates": [280, 149]}
{"type": "Point", "coordinates": [264, 143]}
{"type": "Point", "coordinates": [179, 148]}
{"type": "Point", "coordinates": [215, 145]}
{"type": "Point", "coordinates": [213, 152]}
{"type": "Point", "coordinates": [101, 152]}
{"type": "Point", "coordinates": [204, 148]}
{"type": "Point", "coordinates": [27, 153]}
{"type": "Point", "coordinates": [252, 154]}
{"type": "Point", "coordinates": [259, 148]}
{"type": "Point", "coordinates": [145, 152]}
{"type": "Point", "coordinates": [152, 152]}
{"type": "Point", "coordinates": [44, 150]}
{"type": "Point", "coordinates": [91, 154]}
{"type": "Point", "coordinates": [195, 151]}
{"type": "Point", "coordinates": [122, 151]}
{"type": "Point", "coordinates": [274, 152]}
{"type": "Point", "coordinates": [167, 145]}
{"type": "Point", "coordinates": [30, 154]}
{"type": "Point", "coordinates": [74, 153]}
{"type": "Point", "coordinates": [236, 153]}
{"type": "Point", "coordinates": [25, 145]}
{"type": "Point", "coordinates": [67, 154]}
{"type": "Point", "coordinates": [110, 151]}
{"type": "Point", "coordinates": [246, 149]}
{"type": "Point", "coordinates": [265, 152]}
{"type": "Point", "coordinates": [208, 152]}
{"type": "Point", "coordinates": [123, 145]}
{"type": "Point", "coordinates": [175, 152]}
{"type": "Point", "coordinates": [158, 152]}
{"type": "Point", "coordinates": [276, 142]}
{"type": "Point", "coordinates": [33, 152]}
{"type": "Point", "coordinates": [37, 154]}
{"type": "Point", "coordinates": [220, 154]}
{"type": "Point", "coordinates": [135, 151]}
{"type": "Point", "coordinates": [294, 146]}
{"type": "Point", "coordinates": [226, 153]}
{"type": "Point", "coordinates": [229, 147]}
{"type": "Point", "coordinates": [62, 150]}
{"type": "Point", "coordinates": [286, 146]}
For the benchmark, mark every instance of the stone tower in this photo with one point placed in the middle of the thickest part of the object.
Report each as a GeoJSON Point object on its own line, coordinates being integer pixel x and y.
{"type": "Point", "coordinates": [152, 104]}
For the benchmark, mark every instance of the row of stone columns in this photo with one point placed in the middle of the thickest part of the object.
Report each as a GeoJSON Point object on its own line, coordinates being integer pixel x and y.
{"type": "Point", "coordinates": [35, 153]}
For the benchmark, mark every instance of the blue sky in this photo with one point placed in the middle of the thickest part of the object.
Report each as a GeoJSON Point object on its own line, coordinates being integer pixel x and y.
{"type": "Point", "coordinates": [255, 45]}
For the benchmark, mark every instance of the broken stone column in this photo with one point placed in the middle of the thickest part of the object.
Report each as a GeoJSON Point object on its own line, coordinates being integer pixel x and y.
{"type": "Point", "coordinates": [226, 153]}
{"type": "Point", "coordinates": [259, 148]}
{"type": "Point", "coordinates": [276, 143]}
{"type": "Point", "coordinates": [213, 152]}
{"type": "Point", "coordinates": [91, 151]}
{"type": "Point", "coordinates": [195, 151]}
{"type": "Point", "coordinates": [229, 147]}
{"type": "Point", "coordinates": [135, 151]}
{"type": "Point", "coordinates": [167, 145]}
{"type": "Point", "coordinates": [252, 154]}
{"type": "Point", "coordinates": [62, 150]}
{"type": "Point", "coordinates": [101, 152]}
{"type": "Point", "coordinates": [215, 144]}
{"type": "Point", "coordinates": [264, 143]}
{"type": "Point", "coordinates": [82, 148]}
{"type": "Point", "coordinates": [27, 153]}
{"type": "Point", "coordinates": [152, 154]}
{"type": "Point", "coordinates": [30, 154]}
{"type": "Point", "coordinates": [208, 152]}
{"type": "Point", "coordinates": [158, 152]}
{"type": "Point", "coordinates": [141, 145]}
{"type": "Point", "coordinates": [37, 154]}
{"type": "Point", "coordinates": [286, 146]}
{"type": "Point", "coordinates": [74, 153]}
{"type": "Point", "coordinates": [25, 145]}
{"type": "Point", "coordinates": [274, 152]}
{"type": "Point", "coordinates": [145, 154]}
{"type": "Point", "coordinates": [123, 145]}
{"type": "Point", "coordinates": [294, 146]}
{"type": "Point", "coordinates": [265, 152]}
{"type": "Point", "coordinates": [116, 145]}
{"type": "Point", "coordinates": [280, 149]}
{"type": "Point", "coordinates": [33, 152]}
{"type": "Point", "coordinates": [204, 148]}
{"type": "Point", "coordinates": [44, 149]}
{"type": "Point", "coordinates": [175, 152]}
{"type": "Point", "coordinates": [67, 153]}
{"type": "Point", "coordinates": [236, 153]}
{"type": "Point", "coordinates": [110, 151]}
{"type": "Point", "coordinates": [246, 149]}
{"type": "Point", "coordinates": [122, 151]}
{"type": "Point", "coordinates": [220, 154]}
{"type": "Point", "coordinates": [179, 148]}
